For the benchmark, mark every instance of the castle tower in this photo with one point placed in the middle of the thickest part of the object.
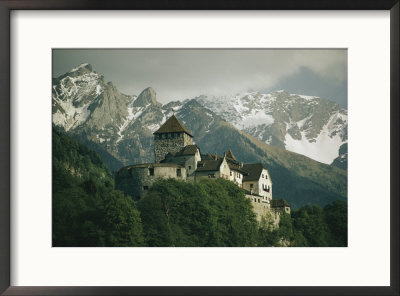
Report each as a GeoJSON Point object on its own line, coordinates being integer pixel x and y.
{"type": "Point", "coordinates": [172, 136]}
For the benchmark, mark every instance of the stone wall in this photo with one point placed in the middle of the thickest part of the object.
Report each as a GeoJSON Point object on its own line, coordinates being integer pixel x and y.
{"type": "Point", "coordinates": [187, 140]}
{"type": "Point", "coordinates": [262, 210]}
{"type": "Point", "coordinates": [137, 180]}
{"type": "Point", "coordinates": [260, 207]}
{"type": "Point", "coordinates": [206, 175]}
{"type": "Point", "coordinates": [258, 186]}
{"type": "Point", "coordinates": [171, 142]}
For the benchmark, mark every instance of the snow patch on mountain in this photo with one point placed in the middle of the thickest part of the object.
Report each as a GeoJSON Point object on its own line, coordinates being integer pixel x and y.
{"type": "Point", "coordinates": [324, 148]}
{"type": "Point", "coordinates": [308, 98]}
{"type": "Point", "coordinates": [98, 89]}
{"type": "Point", "coordinates": [303, 124]}
{"type": "Point", "coordinates": [254, 118]}
{"type": "Point", "coordinates": [72, 116]}
{"type": "Point", "coordinates": [80, 66]}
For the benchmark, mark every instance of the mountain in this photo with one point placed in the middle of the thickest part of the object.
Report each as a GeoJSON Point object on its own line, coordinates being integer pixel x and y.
{"type": "Point", "coordinates": [120, 128]}
{"type": "Point", "coordinates": [312, 126]}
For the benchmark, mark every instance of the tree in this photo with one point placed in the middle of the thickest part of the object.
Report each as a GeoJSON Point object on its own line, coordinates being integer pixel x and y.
{"type": "Point", "coordinates": [336, 219]}
{"type": "Point", "coordinates": [122, 223]}
{"type": "Point", "coordinates": [208, 213]}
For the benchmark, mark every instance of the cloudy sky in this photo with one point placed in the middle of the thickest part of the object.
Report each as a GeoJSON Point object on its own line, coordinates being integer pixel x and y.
{"type": "Point", "coordinates": [182, 74]}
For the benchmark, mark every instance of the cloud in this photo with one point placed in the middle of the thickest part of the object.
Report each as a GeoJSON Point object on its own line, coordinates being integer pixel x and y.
{"type": "Point", "coordinates": [181, 74]}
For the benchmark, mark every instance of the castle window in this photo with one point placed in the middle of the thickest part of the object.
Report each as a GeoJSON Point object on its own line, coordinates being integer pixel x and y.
{"type": "Point", "coordinates": [151, 171]}
{"type": "Point", "coordinates": [258, 200]}
{"type": "Point", "coordinates": [262, 176]}
{"type": "Point", "coordinates": [231, 173]}
{"type": "Point", "coordinates": [178, 172]}
{"type": "Point", "coordinates": [145, 187]}
{"type": "Point", "coordinates": [190, 167]}
{"type": "Point", "coordinates": [251, 186]}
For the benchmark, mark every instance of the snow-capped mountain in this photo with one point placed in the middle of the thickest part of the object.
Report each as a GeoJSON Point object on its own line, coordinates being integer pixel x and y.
{"type": "Point", "coordinates": [120, 128]}
{"type": "Point", "coordinates": [307, 125]}
{"type": "Point", "coordinates": [88, 107]}
{"type": "Point", "coordinates": [85, 104]}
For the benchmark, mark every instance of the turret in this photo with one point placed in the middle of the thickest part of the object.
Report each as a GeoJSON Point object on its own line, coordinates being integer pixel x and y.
{"type": "Point", "coordinates": [172, 136]}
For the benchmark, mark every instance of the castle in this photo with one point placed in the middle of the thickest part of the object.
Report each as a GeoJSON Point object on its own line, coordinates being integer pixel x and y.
{"type": "Point", "coordinates": [177, 157]}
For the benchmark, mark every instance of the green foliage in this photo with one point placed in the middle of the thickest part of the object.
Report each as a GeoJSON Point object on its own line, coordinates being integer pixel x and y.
{"type": "Point", "coordinates": [309, 226]}
{"type": "Point", "coordinates": [320, 227]}
{"type": "Point", "coordinates": [210, 213]}
{"type": "Point", "coordinates": [87, 211]}
{"type": "Point", "coordinates": [309, 220]}
{"type": "Point", "coordinates": [336, 218]}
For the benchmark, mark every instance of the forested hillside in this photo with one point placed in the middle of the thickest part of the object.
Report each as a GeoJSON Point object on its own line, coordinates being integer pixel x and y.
{"type": "Point", "coordinates": [87, 211]}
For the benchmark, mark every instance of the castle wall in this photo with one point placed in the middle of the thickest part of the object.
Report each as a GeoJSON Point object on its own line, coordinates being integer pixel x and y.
{"type": "Point", "coordinates": [169, 142]}
{"type": "Point", "coordinates": [187, 140]}
{"type": "Point", "coordinates": [261, 208]}
{"type": "Point", "coordinates": [258, 186]}
{"type": "Point", "coordinates": [136, 181]}
{"type": "Point", "coordinates": [224, 170]}
{"type": "Point", "coordinates": [189, 161]}
{"type": "Point", "coordinates": [207, 175]}
{"type": "Point", "coordinates": [265, 182]}
{"type": "Point", "coordinates": [237, 178]}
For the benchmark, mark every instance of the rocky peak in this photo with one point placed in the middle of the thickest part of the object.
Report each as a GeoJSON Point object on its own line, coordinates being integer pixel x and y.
{"type": "Point", "coordinates": [147, 96]}
{"type": "Point", "coordinates": [81, 70]}
{"type": "Point", "coordinates": [83, 67]}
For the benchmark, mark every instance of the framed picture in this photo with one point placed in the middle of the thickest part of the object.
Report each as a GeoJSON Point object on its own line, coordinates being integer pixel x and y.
{"type": "Point", "coordinates": [123, 121]}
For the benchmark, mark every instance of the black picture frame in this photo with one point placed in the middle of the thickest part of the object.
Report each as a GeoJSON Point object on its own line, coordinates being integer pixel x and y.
{"type": "Point", "coordinates": [7, 6]}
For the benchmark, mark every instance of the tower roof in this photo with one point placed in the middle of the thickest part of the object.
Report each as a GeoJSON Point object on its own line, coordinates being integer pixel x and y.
{"type": "Point", "coordinates": [172, 125]}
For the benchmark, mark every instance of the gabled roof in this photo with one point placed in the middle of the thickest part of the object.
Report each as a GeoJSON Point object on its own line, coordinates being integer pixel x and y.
{"type": "Point", "coordinates": [210, 156]}
{"type": "Point", "coordinates": [276, 203]}
{"type": "Point", "coordinates": [209, 165]}
{"type": "Point", "coordinates": [177, 160]}
{"type": "Point", "coordinates": [236, 167]}
{"type": "Point", "coordinates": [253, 170]}
{"type": "Point", "coordinates": [175, 157]}
{"type": "Point", "coordinates": [172, 125]}
{"type": "Point", "coordinates": [151, 165]}
{"type": "Point", "coordinates": [229, 154]}
{"type": "Point", "coordinates": [188, 150]}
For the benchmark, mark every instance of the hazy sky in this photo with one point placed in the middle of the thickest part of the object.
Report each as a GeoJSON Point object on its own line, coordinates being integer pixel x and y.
{"type": "Point", "coordinates": [182, 74]}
